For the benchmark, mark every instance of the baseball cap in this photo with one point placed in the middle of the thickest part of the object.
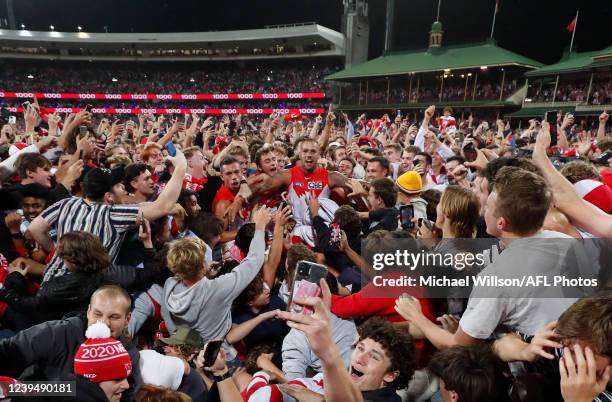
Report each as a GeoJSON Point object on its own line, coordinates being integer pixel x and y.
{"type": "Point", "coordinates": [99, 181]}
{"type": "Point", "coordinates": [184, 335]}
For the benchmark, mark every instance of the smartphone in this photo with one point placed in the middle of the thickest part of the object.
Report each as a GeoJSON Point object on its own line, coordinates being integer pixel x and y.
{"type": "Point", "coordinates": [211, 352]}
{"type": "Point", "coordinates": [82, 131]}
{"type": "Point", "coordinates": [335, 234]}
{"type": "Point", "coordinates": [25, 105]}
{"type": "Point", "coordinates": [406, 215]}
{"type": "Point", "coordinates": [306, 284]}
{"type": "Point", "coordinates": [144, 227]}
{"type": "Point", "coordinates": [551, 118]}
{"type": "Point", "coordinates": [88, 107]}
{"type": "Point", "coordinates": [399, 113]}
{"type": "Point", "coordinates": [12, 120]}
{"type": "Point", "coordinates": [171, 149]}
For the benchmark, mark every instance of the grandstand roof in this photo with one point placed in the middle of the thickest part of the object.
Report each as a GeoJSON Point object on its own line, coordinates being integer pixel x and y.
{"type": "Point", "coordinates": [447, 57]}
{"type": "Point", "coordinates": [311, 39]}
{"type": "Point", "coordinates": [575, 62]}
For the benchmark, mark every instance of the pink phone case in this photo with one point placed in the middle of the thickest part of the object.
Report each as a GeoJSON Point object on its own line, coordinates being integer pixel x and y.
{"type": "Point", "coordinates": [303, 289]}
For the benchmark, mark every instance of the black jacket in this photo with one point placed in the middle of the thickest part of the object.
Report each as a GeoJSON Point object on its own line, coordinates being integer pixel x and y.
{"type": "Point", "coordinates": [386, 394]}
{"type": "Point", "coordinates": [333, 256]}
{"type": "Point", "coordinates": [382, 219]}
{"type": "Point", "coordinates": [71, 292]}
{"type": "Point", "coordinates": [45, 352]}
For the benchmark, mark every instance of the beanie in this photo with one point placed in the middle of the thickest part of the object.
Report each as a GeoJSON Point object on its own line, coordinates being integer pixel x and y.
{"type": "Point", "coordinates": [102, 358]}
{"type": "Point", "coordinates": [410, 182]}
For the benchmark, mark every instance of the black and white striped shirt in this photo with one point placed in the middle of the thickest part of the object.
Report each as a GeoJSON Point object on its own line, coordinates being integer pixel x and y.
{"type": "Point", "coordinates": [108, 222]}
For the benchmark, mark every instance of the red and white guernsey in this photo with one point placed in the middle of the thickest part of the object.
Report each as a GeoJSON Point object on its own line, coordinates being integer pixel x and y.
{"type": "Point", "coordinates": [317, 181]}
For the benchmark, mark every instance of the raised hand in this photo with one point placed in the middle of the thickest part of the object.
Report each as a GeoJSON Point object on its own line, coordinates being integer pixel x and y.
{"type": "Point", "coordinates": [429, 112]}
{"type": "Point", "coordinates": [407, 306]}
{"type": "Point", "coordinates": [261, 217]}
{"type": "Point", "coordinates": [579, 379]}
{"type": "Point", "coordinates": [13, 222]}
{"type": "Point", "coordinates": [543, 339]}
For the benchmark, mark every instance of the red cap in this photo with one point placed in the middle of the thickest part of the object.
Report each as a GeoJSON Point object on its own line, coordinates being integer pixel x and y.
{"type": "Point", "coordinates": [596, 193]}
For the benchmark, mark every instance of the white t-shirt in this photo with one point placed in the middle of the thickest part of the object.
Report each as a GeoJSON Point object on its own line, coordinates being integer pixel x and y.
{"type": "Point", "coordinates": [501, 309]}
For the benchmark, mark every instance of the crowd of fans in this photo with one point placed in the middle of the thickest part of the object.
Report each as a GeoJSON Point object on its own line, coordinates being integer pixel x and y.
{"type": "Point", "coordinates": [155, 259]}
{"type": "Point", "coordinates": [601, 93]}
{"type": "Point", "coordinates": [182, 104]}
{"type": "Point", "coordinates": [454, 92]}
{"type": "Point", "coordinates": [174, 78]}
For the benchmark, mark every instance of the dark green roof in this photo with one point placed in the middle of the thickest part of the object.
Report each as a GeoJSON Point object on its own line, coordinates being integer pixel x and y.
{"type": "Point", "coordinates": [451, 57]}
{"type": "Point", "coordinates": [436, 27]}
{"type": "Point", "coordinates": [539, 111]}
{"type": "Point", "coordinates": [576, 62]}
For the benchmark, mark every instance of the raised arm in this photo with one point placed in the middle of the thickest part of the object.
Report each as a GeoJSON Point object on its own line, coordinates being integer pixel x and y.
{"type": "Point", "coordinates": [317, 327]}
{"type": "Point", "coordinates": [568, 120]}
{"type": "Point", "coordinates": [601, 130]}
{"type": "Point", "coordinates": [324, 138]}
{"type": "Point", "coordinates": [162, 206]}
{"type": "Point", "coordinates": [276, 182]}
{"type": "Point", "coordinates": [409, 308]}
{"type": "Point", "coordinates": [512, 347]}
{"type": "Point", "coordinates": [419, 141]}
{"type": "Point", "coordinates": [39, 229]}
{"type": "Point", "coordinates": [271, 130]}
{"type": "Point", "coordinates": [582, 213]}
{"type": "Point", "coordinates": [276, 249]}
{"type": "Point", "coordinates": [177, 126]}
{"type": "Point", "coordinates": [230, 285]}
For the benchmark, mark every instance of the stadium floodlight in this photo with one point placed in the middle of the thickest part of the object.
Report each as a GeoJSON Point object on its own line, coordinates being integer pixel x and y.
{"type": "Point", "coordinates": [447, 70]}
{"type": "Point", "coordinates": [191, 80]}
{"type": "Point", "coordinates": [23, 26]}
{"type": "Point", "coordinates": [30, 76]}
{"type": "Point", "coordinates": [80, 28]}
{"type": "Point", "coordinates": [52, 27]}
{"type": "Point", "coordinates": [527, 99]}
{"type": "Point", "coordinates": [114, 79]}
{"type": "Point", "coordinates": [483, 67]}
{"type": "Point", "coordinates": [469, 74]}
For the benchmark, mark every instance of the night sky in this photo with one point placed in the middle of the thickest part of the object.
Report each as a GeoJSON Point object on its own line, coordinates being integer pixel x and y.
{"type": "Point", "coordinates": [534, 28]}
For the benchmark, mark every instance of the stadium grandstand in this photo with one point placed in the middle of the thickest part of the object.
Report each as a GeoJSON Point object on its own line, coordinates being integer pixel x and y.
{"type": "Point", "coordinates": [470, 76]}
{"type": "Point", "coordinates": [580, 83]}
{"type": "Point", "coordinates": [201, 206]}
{"type": "Point", "coordinates": [255, 71]}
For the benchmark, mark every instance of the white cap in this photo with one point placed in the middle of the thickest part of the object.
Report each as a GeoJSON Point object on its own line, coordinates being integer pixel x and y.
{"type": "Point", "coordinates": [161, 370]}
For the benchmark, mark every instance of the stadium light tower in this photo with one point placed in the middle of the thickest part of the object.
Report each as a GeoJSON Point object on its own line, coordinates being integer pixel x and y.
{"type": "Point", "coordinates": [80, 28]}
{"type": "Point", "coordinates": [356, 30]}
{"type": "Point", "coordinates": [51, 27]}
{"type": "Point", "coordinates": [23, 26]}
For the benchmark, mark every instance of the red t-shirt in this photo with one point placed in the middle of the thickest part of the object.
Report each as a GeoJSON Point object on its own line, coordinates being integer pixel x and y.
{"type": "Point", "coordinates": [606, 177]}
{"type": "Point", "coordinates": [357, 305]}
{"type": "Point", "coordinates": [223, 194]}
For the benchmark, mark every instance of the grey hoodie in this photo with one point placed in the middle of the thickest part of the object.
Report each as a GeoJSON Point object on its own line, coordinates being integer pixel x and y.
{"type": "Point", "coordinates": [206, 306]}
